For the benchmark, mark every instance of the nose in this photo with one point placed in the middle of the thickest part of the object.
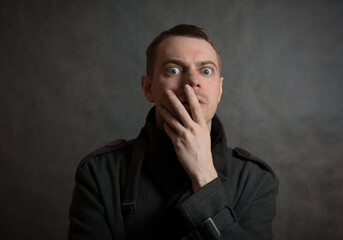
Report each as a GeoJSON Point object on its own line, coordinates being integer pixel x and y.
{"type": "Point", "coordinates": [192, 78]}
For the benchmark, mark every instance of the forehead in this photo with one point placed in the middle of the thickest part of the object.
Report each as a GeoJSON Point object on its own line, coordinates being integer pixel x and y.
{"type": "Point", "coordinates": [185, 49]}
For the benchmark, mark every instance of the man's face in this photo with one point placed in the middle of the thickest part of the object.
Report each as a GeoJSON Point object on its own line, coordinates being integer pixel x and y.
{"type": "Point", "coordinates": [184, 60]}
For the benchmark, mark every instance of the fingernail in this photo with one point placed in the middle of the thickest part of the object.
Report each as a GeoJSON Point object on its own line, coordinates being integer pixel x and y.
{"type": "Point", "coordinates": [188, 87]}
{"type": "Point", "coordinates": [169, 92]}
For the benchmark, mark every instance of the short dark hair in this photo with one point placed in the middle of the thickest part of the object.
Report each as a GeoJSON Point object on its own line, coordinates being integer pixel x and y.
{"type": "Point", "coordinates": [178, 30]}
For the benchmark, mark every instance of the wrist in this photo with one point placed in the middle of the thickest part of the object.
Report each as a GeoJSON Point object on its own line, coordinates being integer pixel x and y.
{"type": "Point", "coordinates": [203, 179]}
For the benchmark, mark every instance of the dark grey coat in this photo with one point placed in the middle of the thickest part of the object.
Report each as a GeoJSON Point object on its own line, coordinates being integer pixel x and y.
{"type": "Point", "coordinates": [138, 190]}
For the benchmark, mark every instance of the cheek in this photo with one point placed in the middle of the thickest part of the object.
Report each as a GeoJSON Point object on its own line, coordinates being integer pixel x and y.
{"type": "Point", "coordinates": [215, 93]}
{"type": "Point", "coordinates": [167, 83]}
{"type": "Point", "coordinates": [158, 92]}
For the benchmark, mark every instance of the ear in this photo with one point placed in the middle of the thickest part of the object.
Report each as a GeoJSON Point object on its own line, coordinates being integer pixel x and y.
{"type": "Point", "coordinates": [146, 86]}
{"type": "Point", "coordinates": [220, 89]}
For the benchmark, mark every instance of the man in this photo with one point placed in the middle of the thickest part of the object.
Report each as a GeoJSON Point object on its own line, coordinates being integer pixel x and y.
{"type": "Point", "coordinates": [177, 179]}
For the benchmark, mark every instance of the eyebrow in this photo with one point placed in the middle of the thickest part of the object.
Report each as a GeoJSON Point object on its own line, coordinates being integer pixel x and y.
{"type": "Point", "coordinates": [208, 63]}
{"type": "Point", "coordinates": [178, 62]}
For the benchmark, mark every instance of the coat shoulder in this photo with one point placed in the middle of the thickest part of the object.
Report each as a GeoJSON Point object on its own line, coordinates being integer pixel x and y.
{"type": "Point", "coordinates": [110, 148]}
{"type": "Point", "coordinates": [245, 155]}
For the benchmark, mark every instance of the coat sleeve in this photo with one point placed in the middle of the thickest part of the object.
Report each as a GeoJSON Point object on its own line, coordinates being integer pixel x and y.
{"type": "Point", "coordinates": [209, 215]}
{"type": "Point", "coordinates": [87, 214]}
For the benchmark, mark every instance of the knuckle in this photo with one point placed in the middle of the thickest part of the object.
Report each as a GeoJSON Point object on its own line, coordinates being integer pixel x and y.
{"type": "Point", "coordinates": [193, 130]}
{"type": "Point", "coordinates": [184, 134]}
{"type": "Point", "coordinates": [173, 122]}
{"type": "Point", "coordinates": [177, 143]}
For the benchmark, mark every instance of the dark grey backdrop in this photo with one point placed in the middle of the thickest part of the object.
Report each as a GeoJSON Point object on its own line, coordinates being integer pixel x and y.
{"type": "Point", "coordinates": [70, 82]}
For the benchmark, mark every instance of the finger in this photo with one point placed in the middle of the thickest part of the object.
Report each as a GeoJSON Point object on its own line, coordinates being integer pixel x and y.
{"type": "Point", "coordinates": [170, 119]}
{"type": "Point", "coordinates": [179, 108]}
{"type": "Point", "coordinates": [170, 132]}
{"type": "Point", "coordinates": [194, 105]}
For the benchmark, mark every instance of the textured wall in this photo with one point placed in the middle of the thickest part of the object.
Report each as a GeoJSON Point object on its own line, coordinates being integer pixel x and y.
{"type": "Point", "coordinates": [70, 82]}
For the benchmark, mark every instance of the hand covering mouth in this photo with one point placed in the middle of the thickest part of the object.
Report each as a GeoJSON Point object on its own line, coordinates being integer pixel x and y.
{"type": "Point", "coordinates": [186, 101]}
{"type": "Point", "coordinates": [202, 99]}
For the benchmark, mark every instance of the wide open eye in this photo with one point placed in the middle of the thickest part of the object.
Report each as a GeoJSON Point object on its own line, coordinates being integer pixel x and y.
{"type": "Point", "coordinates": [173, 70]}
{"type": "Point", "coordinates": [206, 71]}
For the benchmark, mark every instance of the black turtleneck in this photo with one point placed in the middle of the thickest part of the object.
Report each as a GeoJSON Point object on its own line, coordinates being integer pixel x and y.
{"type": "Point", "coordinates": [161, 160]}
